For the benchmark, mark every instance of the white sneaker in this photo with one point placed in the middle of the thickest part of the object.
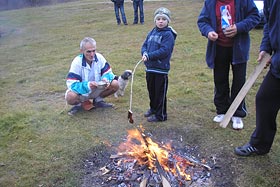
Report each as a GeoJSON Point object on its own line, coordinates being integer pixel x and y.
{"type": "Point", "coordinates": [237, 123]}
{"type": "Point", "coordinates": [219, 118]}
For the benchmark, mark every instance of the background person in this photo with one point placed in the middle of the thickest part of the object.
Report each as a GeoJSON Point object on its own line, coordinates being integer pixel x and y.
{"type": "Point", "coordinates": [156, 53]}
{"type": "Point", "coordinates": [138, 5]}
{"type": "Point", "coordinates": [87, 71]}
{"type": "Point", "coordinates": [268, 95]}
{"type": "Point", "coordinates": [119, 7]}
{"type": "Point", "coordinates": [226, 24]}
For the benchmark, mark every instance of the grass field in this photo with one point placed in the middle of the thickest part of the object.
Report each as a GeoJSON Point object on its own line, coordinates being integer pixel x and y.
{"type": "Point", "coordinates": [40, 145]}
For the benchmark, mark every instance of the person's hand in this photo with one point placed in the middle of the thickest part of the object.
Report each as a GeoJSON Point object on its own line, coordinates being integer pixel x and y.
{"type": "Point", "coordinates": [261, 55]}
{"type": "Point", "coordinates": [107, 83]}
{"type": "Point", "coordinates": [93, 85]}
{"type": "Point", "coordinates": [230, 31]}
{"type": "Point", "coordinates": [213, 36]}
{"type": "Point", "coordinates": [144, 58]}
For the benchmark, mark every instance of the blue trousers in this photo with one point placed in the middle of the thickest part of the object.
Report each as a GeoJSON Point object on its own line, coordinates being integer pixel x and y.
{"type": "Point", "coordinates": [138, 5]}
{"type": "Point", "coordinates": [118, 9]}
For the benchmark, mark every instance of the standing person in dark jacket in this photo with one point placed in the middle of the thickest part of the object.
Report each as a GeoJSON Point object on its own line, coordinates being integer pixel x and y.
{"type": "Point", "coordinates": [156, 53]}
{"type": "Point", "coordinates": [138, 4]}
{"type": "Point", "coordinates": [119, 7]}
{"type": "Point", "coordinates": [226, 24]}
{"type": "Point", "coordinates": [268, 95]}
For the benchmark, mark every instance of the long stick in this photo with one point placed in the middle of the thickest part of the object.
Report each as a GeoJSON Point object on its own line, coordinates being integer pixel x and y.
{"type": "Point", "coordinates": [130, 118]}
{"type": "Point", "coordinates": [244, 90]}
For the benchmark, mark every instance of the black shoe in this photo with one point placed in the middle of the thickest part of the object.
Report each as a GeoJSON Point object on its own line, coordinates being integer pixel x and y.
{"type": "Point", "coordinates": [103, 104]}
{"type": "Point", "coordinates": [148, 113]}
{"type": "Point", "coordinates": [125, 23]}
{"type": "Point", "coordinates": [153, 118]}
{"type": "Point", "coordinates": [74, 110]}
{"type": "Point", "coordinates": [247, 150]}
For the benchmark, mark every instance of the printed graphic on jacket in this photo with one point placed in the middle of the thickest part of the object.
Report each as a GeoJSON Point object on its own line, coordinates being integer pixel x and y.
{"type": "Point", "coordinates": [226, 19]}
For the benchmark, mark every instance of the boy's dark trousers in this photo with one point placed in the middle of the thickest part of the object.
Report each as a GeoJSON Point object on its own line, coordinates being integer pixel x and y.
{"type": "Point", "coordinates": [267, 108]}
{"type": "Point", "coordinates": [157, 85]}
{"type": "Point", "coordinates": [224, 96]}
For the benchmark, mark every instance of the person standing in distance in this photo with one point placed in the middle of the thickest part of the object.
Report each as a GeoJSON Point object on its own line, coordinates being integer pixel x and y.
{"type": "Point", "coordinates": [138, 5]}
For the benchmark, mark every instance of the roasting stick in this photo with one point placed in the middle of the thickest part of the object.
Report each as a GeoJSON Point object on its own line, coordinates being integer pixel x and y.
{"type": "Point", "coordinates": [129, 116]}
{"type": "Point", "coordinates": [244, 90]}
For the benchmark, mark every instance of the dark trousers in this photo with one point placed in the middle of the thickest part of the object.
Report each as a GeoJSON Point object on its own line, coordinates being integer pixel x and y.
{"type": "Point", "coordinates": [224, 96]}
{"type": "Point", "coordinates": [267, 108]}
{"type": "Point", "coordinates": [118, 9]}
{"type": "Point", "coordinates": [138, 5]}
{"type": "Point", "coordinates": [157, 85]}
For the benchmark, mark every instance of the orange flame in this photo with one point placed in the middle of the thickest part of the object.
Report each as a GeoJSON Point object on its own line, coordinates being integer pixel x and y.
{"type": "Point", "coordinates": [146, 152]}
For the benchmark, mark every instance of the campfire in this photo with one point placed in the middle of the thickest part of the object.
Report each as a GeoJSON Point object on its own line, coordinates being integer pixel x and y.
{"type": "Point", "coordinates": [140, 161]}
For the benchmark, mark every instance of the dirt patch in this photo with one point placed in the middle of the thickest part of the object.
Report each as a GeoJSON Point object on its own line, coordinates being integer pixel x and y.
{"type": "Point", "coordinates": [220, 174]}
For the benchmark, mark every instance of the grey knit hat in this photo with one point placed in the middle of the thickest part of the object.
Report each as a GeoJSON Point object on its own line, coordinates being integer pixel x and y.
{"type": "Point", "coordinates": [164, 12]}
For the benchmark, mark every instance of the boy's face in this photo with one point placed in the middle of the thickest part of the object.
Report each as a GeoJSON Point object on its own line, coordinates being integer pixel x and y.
{"type": "Point", "coordinates": [161, 22]}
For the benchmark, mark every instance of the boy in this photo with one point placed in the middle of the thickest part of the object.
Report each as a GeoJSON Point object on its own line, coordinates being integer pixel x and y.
{"type": "Point", "coordinates": [156, 53]}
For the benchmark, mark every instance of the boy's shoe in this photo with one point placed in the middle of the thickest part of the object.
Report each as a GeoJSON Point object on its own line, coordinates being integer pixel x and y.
{"type": "Point", "coordinates": [237, 123]}
{"type": "Point", "coordinates": [103, 104]}
{"type": "Point", "coordinates": [247, 150]}
{"type": "Point", "coordinates": [87, 105]}
{"type": "Point", "coordinates": [148, 113]}
{"type": "Point", "coordinates": [219, 118]}
{"type": "Point", "coordinates": [153, 118]}
{"type": "Point", "coordinates": [74, 110]}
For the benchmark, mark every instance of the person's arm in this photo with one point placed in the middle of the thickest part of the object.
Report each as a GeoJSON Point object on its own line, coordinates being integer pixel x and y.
{"type": "Point", "coordinates": [251, 17]}
{"type": "Point", "coordinates": [204, 21]}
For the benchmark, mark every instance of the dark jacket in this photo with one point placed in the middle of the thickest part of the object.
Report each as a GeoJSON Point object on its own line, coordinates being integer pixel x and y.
{"type": "Point", "coordinates": [118, 2]}
{"type": "Point", "coordinates": [246, 18]}
{"type": "Point", "coordinates": [158, 48]}
{"type": "Point", "coordinates": [271, 39]}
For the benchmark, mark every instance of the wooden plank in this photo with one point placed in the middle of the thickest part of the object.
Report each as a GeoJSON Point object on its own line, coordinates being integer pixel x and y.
{"type": "Point", "coordinates": [244, 90]}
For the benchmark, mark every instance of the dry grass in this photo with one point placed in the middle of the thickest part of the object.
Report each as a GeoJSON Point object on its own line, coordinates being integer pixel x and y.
{"type": "Point", "coordinates": [40, 146]}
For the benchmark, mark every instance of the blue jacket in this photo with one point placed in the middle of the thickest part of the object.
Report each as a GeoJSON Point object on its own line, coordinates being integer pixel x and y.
{"type": "Point", "coordinates": [246, 18]}
{"type": "Point", "coordinates": [271, 39]}
{"type": "Point", "coordinates": [158, 48]}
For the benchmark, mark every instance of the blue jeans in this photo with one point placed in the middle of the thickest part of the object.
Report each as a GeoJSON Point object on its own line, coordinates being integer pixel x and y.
{"type": "Point", "coordinates": [136, 5]}
{"type": "Point", "coordinates": [118, 9]}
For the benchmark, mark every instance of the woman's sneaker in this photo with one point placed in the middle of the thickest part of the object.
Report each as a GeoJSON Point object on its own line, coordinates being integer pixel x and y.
{"type": "Point", "coordinates": [219, 118]}
{"type": "Point", "coordinates": [237, 123]}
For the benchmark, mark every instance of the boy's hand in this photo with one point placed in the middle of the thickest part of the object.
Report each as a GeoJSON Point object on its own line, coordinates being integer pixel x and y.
{"type": "Point", "coordinates": [231, 31]}
{"type": "Point", "coordinates": [213, 36]}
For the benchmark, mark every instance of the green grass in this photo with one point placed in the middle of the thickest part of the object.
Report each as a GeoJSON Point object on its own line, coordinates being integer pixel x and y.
{"type": "Point", "coordinates": [40, 145]}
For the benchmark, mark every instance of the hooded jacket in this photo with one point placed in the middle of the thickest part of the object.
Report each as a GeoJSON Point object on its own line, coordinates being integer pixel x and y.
{"type": "Point", "coordinates": [158, 48]}
{"type": "Point", "coordinates": [271, 40]}
{"type": "Point", "coordinates": [246, 18]}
